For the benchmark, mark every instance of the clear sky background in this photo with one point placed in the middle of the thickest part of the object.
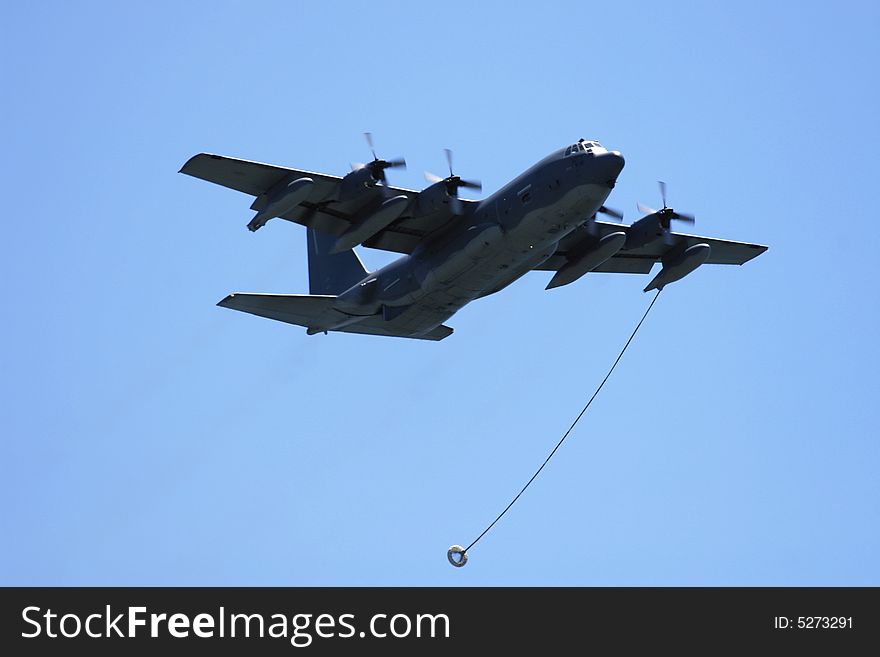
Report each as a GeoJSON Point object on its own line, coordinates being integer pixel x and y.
{"type": "Point", "coordinates": [149, 437]}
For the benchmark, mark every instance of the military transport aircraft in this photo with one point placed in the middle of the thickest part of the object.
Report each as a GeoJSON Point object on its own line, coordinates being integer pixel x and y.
{"type": "Point", "coordinates": [455, 250]}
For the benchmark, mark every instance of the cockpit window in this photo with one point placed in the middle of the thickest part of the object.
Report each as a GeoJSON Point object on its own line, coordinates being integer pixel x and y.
{"type": "Point", "coordinates": [583, 146]}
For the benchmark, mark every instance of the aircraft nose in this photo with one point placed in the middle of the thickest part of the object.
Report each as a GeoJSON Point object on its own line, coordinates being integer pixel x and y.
{"type": "Point", "coordinates": [614, 162]}
{"type": "Point", "coordinates": [609, 166]}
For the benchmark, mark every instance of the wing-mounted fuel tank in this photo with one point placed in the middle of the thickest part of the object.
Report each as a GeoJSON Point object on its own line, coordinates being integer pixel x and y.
{"type": "Point", "coordinates": [679, 264]}
{"type": "Point", "coordinates": [280, 200]}
{"type": "Point", "coordinates": [586, 255]}
{"type": "Point", "coordinates": [371, 224]}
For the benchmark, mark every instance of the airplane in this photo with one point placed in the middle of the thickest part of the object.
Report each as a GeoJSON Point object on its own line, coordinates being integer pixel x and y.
{"type": "Point", "coordinates": [454, 250]}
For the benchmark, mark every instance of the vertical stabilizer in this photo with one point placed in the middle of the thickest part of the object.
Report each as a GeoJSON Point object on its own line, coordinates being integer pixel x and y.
{"type": "Point", "coordinates": [331, 273]}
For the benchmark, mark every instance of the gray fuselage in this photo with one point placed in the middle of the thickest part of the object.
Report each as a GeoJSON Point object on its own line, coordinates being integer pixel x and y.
{"type": "Point", "coordinates": [495, 242]}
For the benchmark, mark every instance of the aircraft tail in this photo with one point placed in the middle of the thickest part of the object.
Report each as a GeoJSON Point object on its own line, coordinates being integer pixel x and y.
{"type": "Point", "coordinates": [331, 273]}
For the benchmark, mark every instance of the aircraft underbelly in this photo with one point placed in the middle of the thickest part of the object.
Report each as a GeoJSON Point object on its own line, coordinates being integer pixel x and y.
{"type": "Point", "coordinates": [522, 249]}
{"type": "Point", "coordinates": [494, 267]}
{"type": "Point", "coordinates": [488, 275]}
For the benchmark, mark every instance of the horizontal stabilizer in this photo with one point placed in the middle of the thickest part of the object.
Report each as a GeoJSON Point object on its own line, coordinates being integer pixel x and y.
{"type": "Point", "coordinates": [313, 311]}
{"type": "Point", "coordinates": [316, 312]}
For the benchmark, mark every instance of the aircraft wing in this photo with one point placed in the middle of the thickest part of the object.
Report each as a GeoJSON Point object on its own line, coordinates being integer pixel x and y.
{"type": "Point", "coordinates": [322, 211]}
{"type": "Point", "coordinates": [640, 261]}
{"type": "Point", "coordinates": [252, 178]}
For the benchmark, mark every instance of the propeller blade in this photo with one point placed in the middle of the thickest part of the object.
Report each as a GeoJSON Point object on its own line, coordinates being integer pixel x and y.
{"type": "Point", "coordinates": [369, 136]}
{"type": "Point", "coordinates": [682, 216]}
{"type": "Point", "coordinates": [471, 184]}
{"type": "Point", "coordinates": [668, 238]}
{"type": "Point", "coordinates": [455, 205]}
{"type": "Point", "coordinates": [448, 159]}
{"type": "Point", "coordinates": [592, 228]}
{"type": "Point", "coordinates": [357, 166]}
{"type": "Point", "coordinates": [644, 209]}
{"type": "Point", "coordinates": [611, 212]}
{"type": "Point", "coordinates": [662, 191]}
{"type": "Point", "coordinates": [396, 163]}
{"type": "Point", "coordinates": [432, 178]}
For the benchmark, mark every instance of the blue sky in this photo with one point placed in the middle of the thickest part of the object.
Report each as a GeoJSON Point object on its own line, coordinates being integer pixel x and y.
{"type": "Point", "coordinates": [150, 437]}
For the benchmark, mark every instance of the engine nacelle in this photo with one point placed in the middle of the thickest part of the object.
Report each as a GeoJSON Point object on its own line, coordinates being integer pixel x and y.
{"type": "Point", "coordinates": [433, 198]}
{"type": "Point", "coordinates": [679, 266]}
{"type": "Point", "coordinates": [644, 231]}
{"type": "Point", "coordinates": [355, 184]}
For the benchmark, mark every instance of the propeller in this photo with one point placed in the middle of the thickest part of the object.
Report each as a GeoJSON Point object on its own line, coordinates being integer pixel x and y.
{"type": "Point", "coordinates": [453, 184]}
{"type": "Point", "coordinates": [666, 215]}
{"type": "Point", "coordinates": [614, 215]}
{"type": "Point", "coordinates": [377, 166]}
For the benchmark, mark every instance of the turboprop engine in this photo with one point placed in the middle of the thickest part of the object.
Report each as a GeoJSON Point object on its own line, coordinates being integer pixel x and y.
{"type": "Point", "coordinates": [365, 176]}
